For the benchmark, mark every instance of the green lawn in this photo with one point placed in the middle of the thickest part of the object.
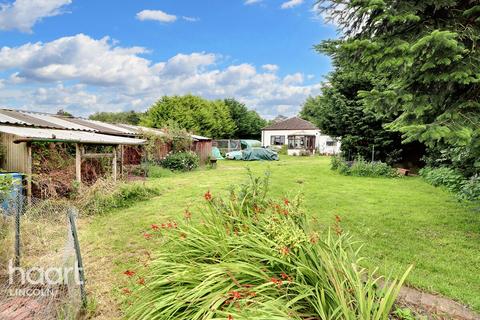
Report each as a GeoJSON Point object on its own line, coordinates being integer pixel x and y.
{"type": "Point", "coordinates": [400, 221]}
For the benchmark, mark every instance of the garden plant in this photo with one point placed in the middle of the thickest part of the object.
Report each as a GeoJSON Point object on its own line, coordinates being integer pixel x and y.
{"type": "Point", "coordinates": [250, 256]}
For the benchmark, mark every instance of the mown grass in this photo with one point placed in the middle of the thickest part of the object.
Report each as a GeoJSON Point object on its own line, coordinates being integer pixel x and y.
{"type": "Point", "coordinates": [400, 221]}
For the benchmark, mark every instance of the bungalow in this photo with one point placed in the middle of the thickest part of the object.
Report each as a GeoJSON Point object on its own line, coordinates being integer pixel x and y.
{"type": "Point", "coordinates": [300, 136]}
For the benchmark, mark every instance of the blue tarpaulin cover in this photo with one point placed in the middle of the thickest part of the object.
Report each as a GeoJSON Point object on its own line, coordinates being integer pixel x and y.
{"type": "Point", "coordinates": [259, 154]}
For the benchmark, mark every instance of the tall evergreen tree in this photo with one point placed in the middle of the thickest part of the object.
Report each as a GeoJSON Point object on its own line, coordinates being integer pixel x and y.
{"type": "Point", "coordinates": [424, 58]}
{"type": "Point", "coordinates": [339, 112]}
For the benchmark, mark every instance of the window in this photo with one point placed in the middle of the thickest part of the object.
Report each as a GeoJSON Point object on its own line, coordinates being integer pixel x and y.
{"type": "Point", "coordinates": [301, 142]}
{"type": "Point", "coordinates": [330, 143]}
{"type": "Point", "coordinates": [277, 140]}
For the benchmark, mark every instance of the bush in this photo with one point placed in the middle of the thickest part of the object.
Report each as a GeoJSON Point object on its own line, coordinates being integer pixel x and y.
{"type": "Point", "coordinates": [254, 257]}
{"type": "Point", "coordinates": [106, 195]}
{"type": "Point", "coordinates": [470, 189]}
{"type": "Point", "coordinates": [362, 168]}
{"type": "Point", "coordinates": [181, 161]}
{"type": "Point", "coordinates": [443, 176]}
{"type": "Point", "coordinates": [454, 181]}
{"type": "Point", "coordinates": [283, 150]}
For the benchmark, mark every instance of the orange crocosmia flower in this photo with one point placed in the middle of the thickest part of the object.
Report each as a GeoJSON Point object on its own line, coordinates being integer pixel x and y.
{"type": "Point", "coordinates": [141, 281]}
{"type": "Point", "coordinates": [208, 196]}
{"type": "Point", "coordinates": [338, 219]}
{"type": "Point", "coordinates": [155, 227]}
{"type": "Point", "coordinates": [147, 235]}
{"type": "Point", "coordinates": [230, 317]}
{"type": "Point", "coordinates": [285, 250]}
{"type": "Point", "coordinates": [276, 281]}
{"type": "Point", "coordinates": [286, 201]}
{"type": "Point", "coordinates": [235, 294]}
{"type": "Point", "coordinates": [129, 273]}
{"type": "Point", "coordinates": [126, 291]}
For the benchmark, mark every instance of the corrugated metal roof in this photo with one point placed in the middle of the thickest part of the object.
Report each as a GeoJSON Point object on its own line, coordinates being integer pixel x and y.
{"type": "Point", "coordinates": [37, 134]}
{"type": "Point", "coordinates": [10, 120]}
{"type": "Point", "coordinates": [61, 122]}
{"type": "Point", "coordinates": [28, 119]}
{"type": "Point", "coordinates": [108, 126]}
{"type": "Point", "coordinates": [199, 137]}
{"type": "Point", "coordinates": [53, 121]}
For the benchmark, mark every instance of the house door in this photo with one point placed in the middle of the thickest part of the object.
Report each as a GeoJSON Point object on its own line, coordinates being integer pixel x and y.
{"type": "Point", "coordinates": [310, 143]}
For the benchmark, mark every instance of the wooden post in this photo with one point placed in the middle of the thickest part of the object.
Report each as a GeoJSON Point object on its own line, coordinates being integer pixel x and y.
{"type": "Point", "coordinates": [121, 160]}
{"type": "Point", "coordinates": [114, 163]}
{"type": "Point", "coordinates": [29, 173]}
{"type": "Point", "coordinates": [78, 163]}
{"type": "Point", "coordinates": [72, 214]}
{"type": "Point", "coordinates": [17, 237]}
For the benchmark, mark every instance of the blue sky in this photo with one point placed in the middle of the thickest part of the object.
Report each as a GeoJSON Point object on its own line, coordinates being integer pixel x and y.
{"type": "Point", "coordinates": [88, 56]}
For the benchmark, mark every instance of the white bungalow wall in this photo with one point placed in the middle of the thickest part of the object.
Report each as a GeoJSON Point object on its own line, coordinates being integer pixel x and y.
{"type": "Point", "coordinates": [320, 140]}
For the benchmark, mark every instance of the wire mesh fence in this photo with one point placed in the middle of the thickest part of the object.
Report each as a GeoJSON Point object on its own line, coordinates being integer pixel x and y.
{"type": "Point", "coordinates": [39, 270]}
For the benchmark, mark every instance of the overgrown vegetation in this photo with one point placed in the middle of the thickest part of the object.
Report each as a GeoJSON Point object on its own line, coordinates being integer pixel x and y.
{"type": "Point", "coordinates": [411, 67]}
{"type": "Point", "coordinates": [254, 257]}
{"type": "Point", "coordinates": [181, 161]}
{"type": "Point", "coordinates": [454, 181]}
{"type": "Point", "coordinates": [127, 117]}
{"type": "Point", "coordinates": [362, 168]}
{"type": "Point", "coordinates": [106, 195]}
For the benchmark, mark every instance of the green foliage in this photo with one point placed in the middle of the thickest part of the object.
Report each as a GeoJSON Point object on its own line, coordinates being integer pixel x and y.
{"type": "Point", "coordinates": [201, 116]}
{"type": "Point", "coordinates": [175, 137]}
{"type": "Point", "coordinates": [127, 117]}
{"type": "Point", "coordinates": [338, 112]}
{"type": "Point", "coordinates": [6, 184]}
{"type": "Point", "coordinates": [106, 195]}
{"type": "Point", "coordinates": [248, 124]}
{"type": "Point", "coordinates": [362, 168]}
{"type": "Point", "coordinates": [154, 171]}
{"type": "Point", "coordinates": [283, 150]}
{"type": "Point", "coordinates": [181, 161]}
{"type": "Point", "coordinates": [254, 257]}
{"type": "Point", "coordinates": [423, 61]}
{"type": "Point", "coordinates": [454, 181]}
{"type": "Point", "coordinates": [406, 314]}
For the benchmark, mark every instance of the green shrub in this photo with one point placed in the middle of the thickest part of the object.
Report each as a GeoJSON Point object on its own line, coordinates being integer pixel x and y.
{"type": "Point", "coordinates": [106, 195]}
{"type": "Point", "coordinates": [362, 168]}
{"type": "Point", "coordinates": [181, 161]}
{"type": "Point", "coordinates": [283, 150]}
{"type": "Point", "coordinates": [470, 189]}
{"type": "Point", "coordinates": [254, 257]}
{"type": "Point", "coordinates": [454, 181]}
{"type": "Point", "coordinates": [443, 176]}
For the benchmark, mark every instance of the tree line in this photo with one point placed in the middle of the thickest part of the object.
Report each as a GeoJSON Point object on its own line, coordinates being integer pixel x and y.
{"type": "Point", "coordinates": [220, 119]}
{"type": "Point", "coordinates": [406, 77]}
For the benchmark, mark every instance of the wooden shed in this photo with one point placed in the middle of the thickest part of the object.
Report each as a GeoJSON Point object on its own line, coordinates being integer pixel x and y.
{"type": "Point", "coordinates": [203, 147]}
{"type": "Point", "coordinates": [19, 129]}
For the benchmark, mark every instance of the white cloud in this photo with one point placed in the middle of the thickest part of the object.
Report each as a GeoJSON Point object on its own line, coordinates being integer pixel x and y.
{"type": "Point", "coordinates": [90, 61]}
{"type": "Point", "coordinates": [248, 2]}
{"type": "Point", "coordinates": [270, 67]}
{"type": "Point", "coordinates": [22, 15]}
{"type": "Point", "coordinates": [84, 75]}
{"type": "Point", "coordinates": [291, 4]}
{"type": "Point", "coordinates": [190, 19]}
{"type": "Point", "coordinates": [296, 78]}
{"type": "Point", "coordinates": [156, 15]}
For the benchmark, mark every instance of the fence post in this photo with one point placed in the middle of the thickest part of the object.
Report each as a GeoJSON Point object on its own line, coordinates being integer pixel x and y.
{"type": "Point", "coordinates": [17, 237]}
{"type": "Point", "coordinates": [71, 215]}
